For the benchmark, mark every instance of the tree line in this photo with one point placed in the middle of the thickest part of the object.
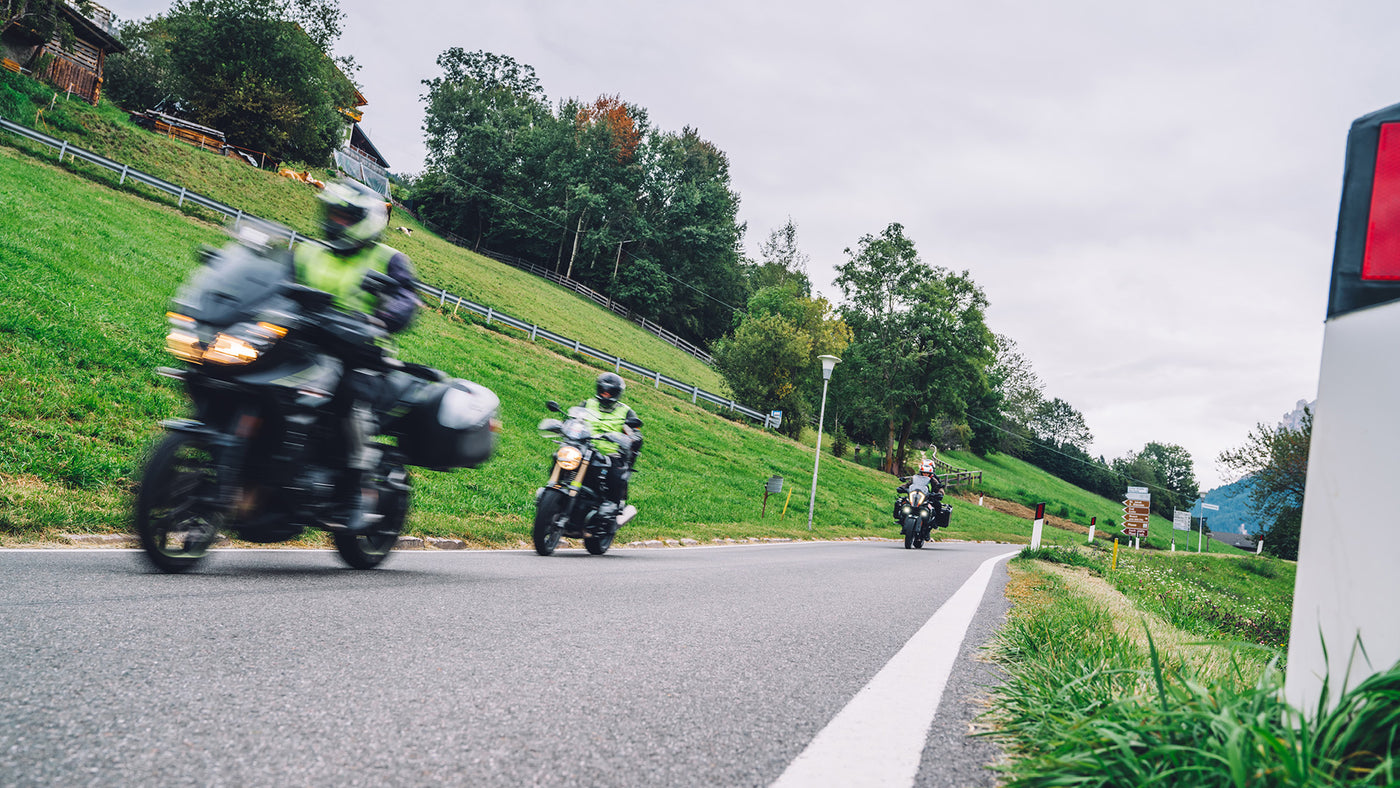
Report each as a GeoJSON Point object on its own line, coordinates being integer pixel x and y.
{"type": "Point", "coordinates": [589, 188]}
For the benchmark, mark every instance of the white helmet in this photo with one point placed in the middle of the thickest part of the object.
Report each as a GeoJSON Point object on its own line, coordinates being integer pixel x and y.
{"type": "Point", "coordinates": [353, 215]}
{"type": "Point", "coordinates": [928, 468]}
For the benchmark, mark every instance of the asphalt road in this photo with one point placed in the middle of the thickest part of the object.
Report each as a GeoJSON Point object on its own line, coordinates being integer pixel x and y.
{"type": "Point", "coordinates": [698, 666]}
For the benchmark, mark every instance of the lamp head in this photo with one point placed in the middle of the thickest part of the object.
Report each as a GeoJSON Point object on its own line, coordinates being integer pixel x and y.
{"type": "Point", "coordinates": [828, 363]}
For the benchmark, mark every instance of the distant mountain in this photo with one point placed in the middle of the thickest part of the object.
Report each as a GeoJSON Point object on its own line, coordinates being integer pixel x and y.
{"type": "Point", "coordinates": [1236, 515]}
{"type": "Point", "coordinates": [1294, 420]}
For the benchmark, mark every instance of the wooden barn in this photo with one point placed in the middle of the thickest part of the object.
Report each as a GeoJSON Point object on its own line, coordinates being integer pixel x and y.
{"type": "Point", "coordinates": [75, 67]}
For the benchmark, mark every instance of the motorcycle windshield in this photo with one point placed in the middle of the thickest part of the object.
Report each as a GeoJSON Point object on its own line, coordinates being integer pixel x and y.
{"type": "Point", "coordinates": [233, 286]}
{"type": "Point", "coordinates": [919, 484]}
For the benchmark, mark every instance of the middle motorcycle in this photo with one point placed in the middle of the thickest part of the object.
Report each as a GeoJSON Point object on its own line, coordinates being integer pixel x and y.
{"type": "Point", "coordinates": [921, 510]}
{"type": "Point", "coordinates": [569, 503]}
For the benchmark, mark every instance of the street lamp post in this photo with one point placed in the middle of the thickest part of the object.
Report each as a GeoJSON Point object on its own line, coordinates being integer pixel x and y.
{"type": "Point", "coordinates": [828, 364]}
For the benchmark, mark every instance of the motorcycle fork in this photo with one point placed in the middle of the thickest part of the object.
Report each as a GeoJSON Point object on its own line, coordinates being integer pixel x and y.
{"type": "Point", "coordinates": [232, 450]}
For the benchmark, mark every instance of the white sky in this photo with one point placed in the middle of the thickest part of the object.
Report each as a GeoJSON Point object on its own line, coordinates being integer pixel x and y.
{"type": "Point", "coordinates": [1147, 192]}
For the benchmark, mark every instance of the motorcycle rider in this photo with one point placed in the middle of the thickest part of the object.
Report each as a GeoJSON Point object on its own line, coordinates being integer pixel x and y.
{"type": "Point", "coordinates": [927, 468]}
{"type": "Point", "coordinates": [353, 217]}
{"type": "Point", "coordinates": [606, 412]}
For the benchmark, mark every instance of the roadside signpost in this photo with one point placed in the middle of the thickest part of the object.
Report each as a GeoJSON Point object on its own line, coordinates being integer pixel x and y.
{"type": "Point", "coordinates": [1136, 508]}
{"type": "Point", "coordinates": [1181, 521]}
{"type": "Point", "coordinates": [1202, 530]}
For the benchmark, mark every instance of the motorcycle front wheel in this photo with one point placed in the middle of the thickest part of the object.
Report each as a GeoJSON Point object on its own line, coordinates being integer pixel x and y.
{"type": "Point", "coordinates": [174, 521]}
{"type": "Point", "coordinates": [597, 545]}
{"type": "Point", "coordinates": [550, 513]}
{"type": "Point", "coordinates": [368, 550]}
{"type": "Point", "coordinates": [908, 541]}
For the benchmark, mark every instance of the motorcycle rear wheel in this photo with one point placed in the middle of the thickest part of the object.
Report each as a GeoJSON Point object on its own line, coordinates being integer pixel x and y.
{"type": "Point", "coordinates": [368, 550]}
{"type": "Point", "coordinates": [597, 545]}
{"type": "Point", "coordinates": [172, 500]}
{"type": "Point", "coordinates": [550, 513]}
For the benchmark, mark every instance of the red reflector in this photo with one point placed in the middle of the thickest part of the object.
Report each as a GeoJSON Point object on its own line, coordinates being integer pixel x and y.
{"type": "Point", "coordinates": [1382, 259]}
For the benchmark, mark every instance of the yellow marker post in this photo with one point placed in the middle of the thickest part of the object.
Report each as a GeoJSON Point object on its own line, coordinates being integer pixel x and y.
{"type": "Point", "coordinates": [785, 503]}
{"type": "Point", "coordinates": [1115, 556]}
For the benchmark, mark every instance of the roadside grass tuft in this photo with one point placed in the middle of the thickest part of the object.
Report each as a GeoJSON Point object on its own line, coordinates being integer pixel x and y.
{"type": "Point", "coordinates": [1083, 705]}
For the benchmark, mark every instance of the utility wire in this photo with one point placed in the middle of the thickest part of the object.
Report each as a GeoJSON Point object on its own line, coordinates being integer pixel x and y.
{"type": "Point", "coordinates": [1080, 460]}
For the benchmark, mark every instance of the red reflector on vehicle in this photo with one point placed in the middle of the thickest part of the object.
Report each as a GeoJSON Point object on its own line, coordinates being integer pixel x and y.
{"type": "Point", "coordinates": [1382, 259]}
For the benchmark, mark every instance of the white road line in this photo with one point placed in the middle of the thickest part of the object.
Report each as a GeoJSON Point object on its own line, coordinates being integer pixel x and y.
{"type": "Point", "coordinates": [878, 739]}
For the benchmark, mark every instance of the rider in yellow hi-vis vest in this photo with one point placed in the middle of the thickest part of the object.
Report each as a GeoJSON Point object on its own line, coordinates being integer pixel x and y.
{"type": "Point", "coordinates": [353, 217]}
{"type": "Point", "coordinates": [607, 413]}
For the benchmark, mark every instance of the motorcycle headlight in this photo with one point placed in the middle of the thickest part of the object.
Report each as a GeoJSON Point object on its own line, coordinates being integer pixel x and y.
{"type": "Point", "coordinates": [568, 457]}
{"type": "Point", "coordinates": [182, 342]}
{"type": "Point", "coordinates": [923, 513]}
{"type": "Point", "coordinates": [243, 344]}
{"type": "Point", "coordinates": [907, 509]}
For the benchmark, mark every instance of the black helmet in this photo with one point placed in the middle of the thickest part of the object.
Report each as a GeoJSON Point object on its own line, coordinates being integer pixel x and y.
{"type": "Point", "coordinates": [610, 388]}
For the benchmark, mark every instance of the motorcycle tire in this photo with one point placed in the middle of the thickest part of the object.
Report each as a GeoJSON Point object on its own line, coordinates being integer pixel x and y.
{"type": "Point", "coordinates": [597, 545]}
{"type": "Point", "coordinates": [368, 550]}
{"type": "Point", "coordinates": [908, 541]}
{"type": "Point", "coordinates": [549, 521]}
{"type": "Point", "coordinates": [918, 544]}
{"type": "Point", "coordinates": [169, 503]}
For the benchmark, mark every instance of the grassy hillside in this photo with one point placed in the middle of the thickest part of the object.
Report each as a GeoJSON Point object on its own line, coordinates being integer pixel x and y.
{"type": "Point", "coordinates": [108, 131]}
{"type": "Point", "coordinates": [88, 272]}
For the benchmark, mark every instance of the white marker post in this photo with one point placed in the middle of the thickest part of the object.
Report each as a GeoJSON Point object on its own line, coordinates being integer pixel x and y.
{"type": "Point", "coordinates": [1347, 581]}
{"type": "Point", "coordinates": [1037, 526]}
{"type": "Point", "coordinates": [1092, 524]}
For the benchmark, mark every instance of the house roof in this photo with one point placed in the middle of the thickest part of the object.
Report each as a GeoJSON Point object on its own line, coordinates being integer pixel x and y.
{"type": "Point", "coordinates": [358, 139]}
{"type": "Point", "coordinates": [89, 30]}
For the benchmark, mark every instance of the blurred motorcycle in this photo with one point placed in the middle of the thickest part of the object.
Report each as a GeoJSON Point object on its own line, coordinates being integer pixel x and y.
{"type": "Point", "coordinates": [269, 368]}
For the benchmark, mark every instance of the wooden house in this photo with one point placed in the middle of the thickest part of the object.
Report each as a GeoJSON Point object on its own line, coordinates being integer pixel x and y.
{"type": "Point", "coordinates": [75, 67]}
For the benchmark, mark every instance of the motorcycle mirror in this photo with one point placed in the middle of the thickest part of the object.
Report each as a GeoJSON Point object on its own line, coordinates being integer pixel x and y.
{"type": "Point", "coordinates": [553, 406]}
{"type": "Point", "coordinates": [206, 254]}
{"type": "Point", "coordinates": [634, 422]}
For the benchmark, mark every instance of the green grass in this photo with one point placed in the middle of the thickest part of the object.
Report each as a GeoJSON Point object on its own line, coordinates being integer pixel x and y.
{"type": "Point", "coordinates": [1085, 705]}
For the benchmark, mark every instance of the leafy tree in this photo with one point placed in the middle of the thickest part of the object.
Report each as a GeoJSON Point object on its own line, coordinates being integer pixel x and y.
{"type": "Point", "coordinates": [259, 70]}
{"type": "Point", "coordinates": [1175, 471]}
{"type": "Point", "coordinates": [771, 358]}
{"type": "Point", "coordinates": [1276, 458]}
{"type": "Point", "coordinates": [783, 261]}
{"type": "Point", "coordinates": [145, 75]}
{"type": "Point", "coordinates": [1058, 421]}
{"type": "Point", "coordinates": [477, 126]}
{"type": "Point", "coordinates": [922, 345]}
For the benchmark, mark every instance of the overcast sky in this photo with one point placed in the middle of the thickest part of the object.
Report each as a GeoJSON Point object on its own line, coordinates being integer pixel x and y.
{"type": "Point", "coordinates": [1147, 192]}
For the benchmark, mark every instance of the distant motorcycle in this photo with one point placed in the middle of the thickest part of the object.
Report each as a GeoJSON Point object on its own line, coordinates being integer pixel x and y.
{"type": "Point", "coordinates": [264, 456]}
{"type": "Point", "coordinates": [568, 504]}
{"type": "Point", "coordinates": [921, 510]}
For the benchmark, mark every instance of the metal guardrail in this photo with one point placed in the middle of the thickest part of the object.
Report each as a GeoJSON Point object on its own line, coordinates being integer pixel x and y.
{"type": "Point", "coordinates": [445, 299]}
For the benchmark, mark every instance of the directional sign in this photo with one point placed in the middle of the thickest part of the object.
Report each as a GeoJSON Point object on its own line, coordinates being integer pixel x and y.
{"type": "Point", "coordinates": [1210, 506]}
{"type": "Point", "coordinates": [1136, 511]}
{"type": "Point", "coordinates": [1138, 532]}
{"type": "Point", "coordinates": [1181, 521]}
